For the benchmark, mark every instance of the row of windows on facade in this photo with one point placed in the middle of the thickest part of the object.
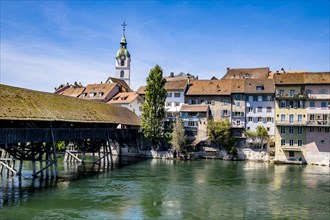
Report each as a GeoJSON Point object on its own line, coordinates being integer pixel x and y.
{"type": "Point", "coordinates": [299, 142]}
{"type": "Point", "coordinates": [291, 142]}
{"type": "Point", "coordinates": [176, 94]}
{"type": "Point", "coordinates": [261, 119]}
{"type": "Point", "coordinates": [312, 117]}
{"type": "Point", "coordinates": [308, 92]}
{"type": "Point", "coordinates": [93, 94]}
{"type": "Point", "coordinates": [259, 109]}
{"type": "Point", "coordinates": [300, 130]}
{"type": "Point", "coordinates": [254, 98]}
{"type": "Point", "coordinates": [301, 104]}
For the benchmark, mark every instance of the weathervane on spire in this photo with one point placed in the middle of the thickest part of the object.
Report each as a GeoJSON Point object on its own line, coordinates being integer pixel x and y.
{"type": "Point", "coordinates": [124, 26]}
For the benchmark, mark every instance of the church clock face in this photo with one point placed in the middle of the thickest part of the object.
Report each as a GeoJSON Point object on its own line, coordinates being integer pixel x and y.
{"type": "Point", "coordinates": [122, 57]}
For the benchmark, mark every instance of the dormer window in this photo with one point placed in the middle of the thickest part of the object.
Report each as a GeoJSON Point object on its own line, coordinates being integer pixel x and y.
{"type": "Point", "coordinates": [124, 97]}
{"type": "Point", "coordinates": [259, 88]}
{"type": "Point", "coordinates": [92, 94]}
{"type": "Point", "coordinates": [101, 94]}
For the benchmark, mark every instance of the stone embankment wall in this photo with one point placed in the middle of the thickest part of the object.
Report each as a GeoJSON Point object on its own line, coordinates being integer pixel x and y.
{"type": "Point", "coordinates": [318, 158]}
{"type": "Point", "coordinates": [253, 155]}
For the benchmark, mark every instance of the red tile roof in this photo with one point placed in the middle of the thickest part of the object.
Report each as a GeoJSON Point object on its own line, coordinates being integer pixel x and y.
{"type": "Point", "coordinates": [208, 87]}
{"type": "Point", "coordinates": [124, 98]}
{"type": "Point", "coordinates": [244, 73]}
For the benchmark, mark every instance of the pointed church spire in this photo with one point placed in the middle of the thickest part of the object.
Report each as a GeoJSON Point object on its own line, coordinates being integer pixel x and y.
{"type": "Point", "coordinates": [123, 41]}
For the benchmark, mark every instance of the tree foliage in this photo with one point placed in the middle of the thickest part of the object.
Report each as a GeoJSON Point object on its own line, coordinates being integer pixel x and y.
{"type": "Point", "coordinates": [259, 136]}
{"type": "Point", "coordinates": [219, 133]}
{"type": "Point", "coordinates": [178, 136]}
{"type": "Point", "coordinates": [153, 112]}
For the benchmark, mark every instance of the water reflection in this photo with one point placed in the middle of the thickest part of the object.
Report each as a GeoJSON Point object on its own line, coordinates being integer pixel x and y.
{"type": "Point", "coordinates": [170, 189]}
{"type": "Point", "coordinates": [17, 190]}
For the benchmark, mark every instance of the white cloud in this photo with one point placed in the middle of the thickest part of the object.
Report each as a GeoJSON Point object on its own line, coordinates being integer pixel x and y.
{"type": "Point", "coordinates": [48, 69]}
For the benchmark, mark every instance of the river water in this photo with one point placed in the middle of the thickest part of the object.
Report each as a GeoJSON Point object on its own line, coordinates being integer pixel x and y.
{"type": "Point", "coordinates": [169, 189]}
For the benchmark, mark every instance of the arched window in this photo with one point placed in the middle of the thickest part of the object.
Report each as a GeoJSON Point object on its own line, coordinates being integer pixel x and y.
{"type": "Point", "coordinates": [122, 74]}
{"type": "Point", "coordinates": [122, 63]}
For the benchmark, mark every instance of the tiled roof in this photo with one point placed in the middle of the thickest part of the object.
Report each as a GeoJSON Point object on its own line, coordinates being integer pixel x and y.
{"type": "Point", "coordinates": [243, 73]}
{"type": "Point", "coordinates": [72, 91]}
{"type": "Point", "coordinates": [317, 78]}
{"type": "Point", "coordinates": [176, 85]}
{"type": "Point", "coordinates": [141, 90]}
{"type": "Point", "coordinates": [120, 82]}
{"type": "Point", "coordinates": [194, 108]}
{"type": "Point", "coordinates": [123, 98]}
{"type": "Point", "coordinates": [254, 86]}
{"type": "Point", "coordinates": [24, 104]}
{"type": "Point", "coordinates": [302, 78]}
{"type": "Point", "coordinates": [170, 85]}
{"type": "Point", "coordinates": [208, 87]}
{"type": "Point", "coordinates": [237, 85]}
{"type": "Point", "coordinates": [104, 89]}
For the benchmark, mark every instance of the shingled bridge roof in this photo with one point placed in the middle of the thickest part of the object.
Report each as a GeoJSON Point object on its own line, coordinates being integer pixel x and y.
{"type": "Point", "coordinates": [23, 104]}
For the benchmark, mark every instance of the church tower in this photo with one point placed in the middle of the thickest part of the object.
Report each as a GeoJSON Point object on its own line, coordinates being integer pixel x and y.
{"type": "Point", "coordinates": [123, 60]}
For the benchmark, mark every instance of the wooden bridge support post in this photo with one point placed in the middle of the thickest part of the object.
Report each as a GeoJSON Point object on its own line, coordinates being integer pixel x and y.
{"type": "Point", "coordinates": [110, 154]}
{"type": "Point", "coordinates": [54, 151]}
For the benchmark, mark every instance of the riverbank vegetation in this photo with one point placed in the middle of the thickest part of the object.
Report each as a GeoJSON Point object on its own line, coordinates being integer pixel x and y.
{"type": "Point", "coordinates": [219, 135]}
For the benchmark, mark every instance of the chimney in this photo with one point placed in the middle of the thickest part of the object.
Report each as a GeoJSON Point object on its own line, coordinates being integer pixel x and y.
{"type": "Point", "coordinates": [282, 70]}
{"type": "Point", "coordinates": [228, 68]}
{"type": "Point", "coordinates": [171, 74]}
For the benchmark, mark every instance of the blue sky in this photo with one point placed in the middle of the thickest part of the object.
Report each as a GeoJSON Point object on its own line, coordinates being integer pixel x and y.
{"type": "Point", "coordinates": [46, 43]}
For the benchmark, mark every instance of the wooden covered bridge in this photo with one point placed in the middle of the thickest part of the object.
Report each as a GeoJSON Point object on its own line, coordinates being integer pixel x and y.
{"type": "Point", "coordinates": [32, 122]}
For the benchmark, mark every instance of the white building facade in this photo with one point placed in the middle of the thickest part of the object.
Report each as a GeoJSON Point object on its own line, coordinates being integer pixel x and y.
{"type": "Point", "coordinates": [260, 105]}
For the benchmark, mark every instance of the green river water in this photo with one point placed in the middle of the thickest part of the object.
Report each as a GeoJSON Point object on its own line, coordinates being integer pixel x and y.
{"type": "Point", "coordinates": [169, 189]}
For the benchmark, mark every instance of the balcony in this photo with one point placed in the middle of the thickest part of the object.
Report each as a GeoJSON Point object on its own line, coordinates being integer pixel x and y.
{"type": "Point", "coordinates": [318, 123]}
{"type": "Point", "coordinates": [190, 118]}
{"type": "Point", "coordinates": [290, 123]}
{"type": "Point", "coordinates": [280, 96]}
{"type": "Point", "coordinates": [318, 97]}
{"type": "Point", "coordinates": [234, 124]}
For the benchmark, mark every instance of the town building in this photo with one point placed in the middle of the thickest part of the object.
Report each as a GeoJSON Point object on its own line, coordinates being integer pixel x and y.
{"type": "Point", "coordinates": [214, 93]}
{"type": "Point", "coordinates": [194, 118]}
{"type": "Point", "coordinates": [302, 110]}
{"type": "Point", "coordinates": [317, 88]}
{"type": "Point", "coordinates": [130, 100]}
{"type": "Point", "coordinates": [142, 92]}
{"type": "Point", "coordinates": [102, 92]}
{"type": "Point", "coordinates": [72, 90]}
{"type": "Point", "coordinates": [174, 100]}
{"type": "Point", "coordinates": [238, 110]}
{"type": "Point", "coordinates": [260, 109]}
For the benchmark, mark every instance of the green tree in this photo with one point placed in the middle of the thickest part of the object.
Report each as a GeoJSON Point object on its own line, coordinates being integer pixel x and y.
{"type": "Point", "coordinates": [258, 137]}
{"type": "Point", "coordinates": [178, 136]}
{"type": "Point", "coordinates": [153, 112]}
{"type": "Point", "coordinates": [262, 135]}
{"type": "Point", "coordinates": [219, 133]}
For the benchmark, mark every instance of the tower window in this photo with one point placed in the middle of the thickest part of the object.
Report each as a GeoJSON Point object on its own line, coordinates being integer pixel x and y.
{"type": "Point", "coordinates": [122, 74]}
{"type": "Point", "coordinates": [122, 63]}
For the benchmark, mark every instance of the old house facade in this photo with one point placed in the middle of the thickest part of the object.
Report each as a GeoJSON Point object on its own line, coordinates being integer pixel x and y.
{"type": "Point", "coordinates": [260, 109]}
